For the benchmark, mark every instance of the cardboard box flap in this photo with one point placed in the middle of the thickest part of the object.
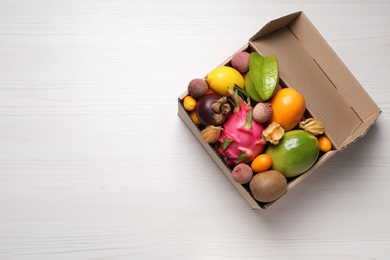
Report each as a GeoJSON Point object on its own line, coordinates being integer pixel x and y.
{"type": "Point", "coordinates": [274, 25]}
{"type": "Point", "coordinates": [308, 64]}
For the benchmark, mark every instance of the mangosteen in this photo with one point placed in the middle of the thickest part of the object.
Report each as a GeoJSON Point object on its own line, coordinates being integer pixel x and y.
{"type": "Point", "coordinates": [212, 109]}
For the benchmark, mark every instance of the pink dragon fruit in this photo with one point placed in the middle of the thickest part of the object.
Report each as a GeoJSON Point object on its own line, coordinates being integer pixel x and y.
{"type": "Point", "coordinates": [241, 139]}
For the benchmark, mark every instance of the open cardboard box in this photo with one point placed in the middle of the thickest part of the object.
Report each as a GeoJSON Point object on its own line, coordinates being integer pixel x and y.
{"type": "Point", "coordinates": [308, 64]}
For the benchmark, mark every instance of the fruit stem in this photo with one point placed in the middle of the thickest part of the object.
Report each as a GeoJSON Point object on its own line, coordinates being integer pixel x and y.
{"type": "Point", "coordinates": [226, 109]}
{"type": "Point", "coordinates": [222, 106]}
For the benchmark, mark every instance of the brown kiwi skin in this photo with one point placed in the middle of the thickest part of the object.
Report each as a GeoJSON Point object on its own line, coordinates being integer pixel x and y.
{"type": "Point", "coordinates": [268, 186]}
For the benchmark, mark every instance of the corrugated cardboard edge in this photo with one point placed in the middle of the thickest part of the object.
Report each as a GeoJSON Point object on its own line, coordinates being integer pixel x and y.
{"type": "Point", "coordinates": [362, 130]}
{"type": "Point", "coordinates": [275, 25]}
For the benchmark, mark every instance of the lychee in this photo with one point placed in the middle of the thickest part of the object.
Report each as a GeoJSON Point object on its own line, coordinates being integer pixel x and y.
{"type": "Point", "coordinates": [242, 173]}
{"type": "Point", "coordinates": [197, 88]}
{"type": "Point", "coordinates": [262, 112]}
{"type": "Point", "coordinates": [240, 61]}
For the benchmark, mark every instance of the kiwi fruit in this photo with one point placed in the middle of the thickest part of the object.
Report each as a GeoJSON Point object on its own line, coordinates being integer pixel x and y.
{"type": "Point", "coordinates": [268, 186]}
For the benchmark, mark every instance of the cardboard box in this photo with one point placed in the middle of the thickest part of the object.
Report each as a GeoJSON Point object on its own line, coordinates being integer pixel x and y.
{"type": "Point", "coordinates": [308, 64]}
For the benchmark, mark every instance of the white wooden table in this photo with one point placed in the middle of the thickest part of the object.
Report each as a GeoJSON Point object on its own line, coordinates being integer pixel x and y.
{"type": "Point", "coordinates": [96, 164]}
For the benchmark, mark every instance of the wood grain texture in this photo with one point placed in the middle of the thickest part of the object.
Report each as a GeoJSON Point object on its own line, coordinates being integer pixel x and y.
{"type": "Point", "coordinates": [96, 164]}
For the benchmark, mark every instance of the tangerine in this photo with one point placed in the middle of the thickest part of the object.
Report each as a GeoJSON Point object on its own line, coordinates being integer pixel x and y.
{"type": "Point", "coordinates": [288, 106]}
{"type": "Point", "coordinates": [261, 163]}
{"type": "Point", "coordinates": [324, 144]}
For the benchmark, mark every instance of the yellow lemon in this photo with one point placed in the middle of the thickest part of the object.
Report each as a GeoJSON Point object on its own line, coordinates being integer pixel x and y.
{"type": "Point", "coordinates": [222, 77]}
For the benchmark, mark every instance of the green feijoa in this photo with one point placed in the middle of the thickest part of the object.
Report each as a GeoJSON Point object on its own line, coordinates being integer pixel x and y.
{"type": "Point", "coordinates": [264, 74]}
{"type": "Point", "coordinates": [250, 89]}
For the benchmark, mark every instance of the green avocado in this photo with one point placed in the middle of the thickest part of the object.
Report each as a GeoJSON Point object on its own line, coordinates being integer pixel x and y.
{"type": "Point", "coordinates": [296, 153]}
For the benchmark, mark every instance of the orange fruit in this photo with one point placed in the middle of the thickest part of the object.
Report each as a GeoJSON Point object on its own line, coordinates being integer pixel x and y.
{"type": "Point", "coordinates": [209, 91]}
{"type": "Point", "coordinates": [189, 103]}
{"type": "Point", "coordinates": [324, 144]}
{"type": "Point", "coordinates": [195, 118]}
{"type": "Point", "coordinates": [288, 106]}
{"type": "Point", "coordinates": [261, 163]}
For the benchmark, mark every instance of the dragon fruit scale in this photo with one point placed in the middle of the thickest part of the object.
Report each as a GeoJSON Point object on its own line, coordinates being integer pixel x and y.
{"type": "Point", "coordinates": [241, 139]}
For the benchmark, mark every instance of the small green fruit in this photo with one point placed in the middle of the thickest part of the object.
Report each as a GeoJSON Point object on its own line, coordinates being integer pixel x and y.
{"type": "Point", "coordinates": [296, 152]}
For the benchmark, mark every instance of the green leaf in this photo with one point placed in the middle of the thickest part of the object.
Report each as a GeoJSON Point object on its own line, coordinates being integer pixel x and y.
{"type": "Point", "coordinates": [248, 119]}
{"type": "Point", "coordinates": [242, 157]}
{"type": "Point", "coordinates": [226, 142]}
{"type": "Point", "coordinates": [241, 92]}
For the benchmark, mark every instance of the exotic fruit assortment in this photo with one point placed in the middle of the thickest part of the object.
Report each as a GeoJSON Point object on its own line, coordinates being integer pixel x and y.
{"type": "Point", "coordinates": [256, 125]}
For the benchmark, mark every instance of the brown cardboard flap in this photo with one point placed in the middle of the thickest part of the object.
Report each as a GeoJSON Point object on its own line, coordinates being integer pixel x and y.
{"type": "Point", "coordinates": [308, 64]}
{"type": "Point", "coordinates": [275, 25]}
